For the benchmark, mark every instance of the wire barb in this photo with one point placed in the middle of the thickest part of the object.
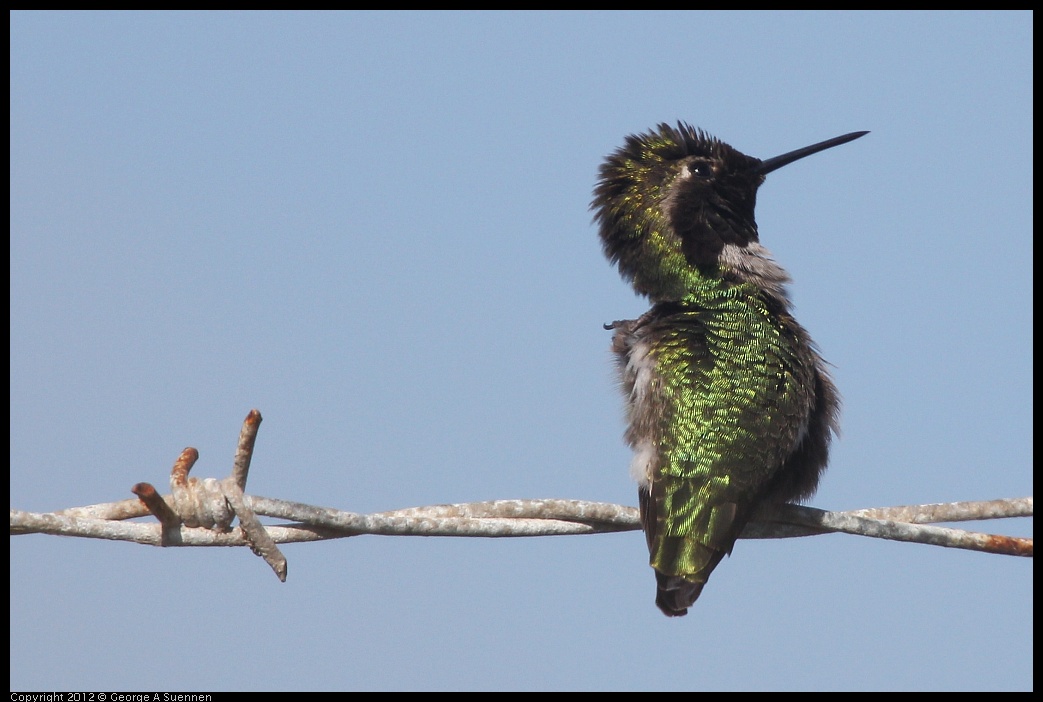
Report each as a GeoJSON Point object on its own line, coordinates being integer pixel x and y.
{"type": "Point", "coordinates": [207, 504]}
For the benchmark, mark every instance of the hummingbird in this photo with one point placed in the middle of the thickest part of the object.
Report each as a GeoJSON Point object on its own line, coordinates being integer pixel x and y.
{"type": "Point", "coordinates": [728, 403]}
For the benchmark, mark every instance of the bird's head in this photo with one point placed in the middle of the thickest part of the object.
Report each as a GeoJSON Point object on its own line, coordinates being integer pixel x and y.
{"type": "Point", "coordinates": [675, 206]}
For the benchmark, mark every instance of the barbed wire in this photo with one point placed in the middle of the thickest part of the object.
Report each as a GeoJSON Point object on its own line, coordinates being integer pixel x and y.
{"type": "Point", "coordinates": [200, 513]}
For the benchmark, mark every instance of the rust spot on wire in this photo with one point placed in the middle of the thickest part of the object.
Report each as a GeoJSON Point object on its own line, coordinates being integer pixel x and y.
{"type": "Point", "coordinates": [245, 449]}
{"type": "Point", "coordinates": [1010, 545]}
{"type": "Point", "coordinates": [183, 464]}
{"type": "Point", "coordinates": [156, 504]}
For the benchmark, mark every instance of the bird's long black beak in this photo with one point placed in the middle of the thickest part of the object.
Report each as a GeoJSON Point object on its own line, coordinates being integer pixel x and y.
{"type": "Point", "coordinates": [777, 162]}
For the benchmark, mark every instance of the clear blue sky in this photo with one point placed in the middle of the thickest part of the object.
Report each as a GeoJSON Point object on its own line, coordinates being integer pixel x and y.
{"type": "Point", "coordinates": [373, 227]}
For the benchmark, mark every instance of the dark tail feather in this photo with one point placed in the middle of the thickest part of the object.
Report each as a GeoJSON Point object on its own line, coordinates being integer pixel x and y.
{"type": "Point", "coordinates": [674, 595]}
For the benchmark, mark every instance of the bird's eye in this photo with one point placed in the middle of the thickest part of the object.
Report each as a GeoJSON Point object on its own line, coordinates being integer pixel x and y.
{"type": "Point", "coordinates": [700, 169]}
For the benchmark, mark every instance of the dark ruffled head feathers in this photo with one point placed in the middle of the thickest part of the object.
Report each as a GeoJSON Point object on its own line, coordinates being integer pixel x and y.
{"type": "Point", "coordinates": [667, 203]}
{"type": "Point", "coordinates": [675, 208]}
